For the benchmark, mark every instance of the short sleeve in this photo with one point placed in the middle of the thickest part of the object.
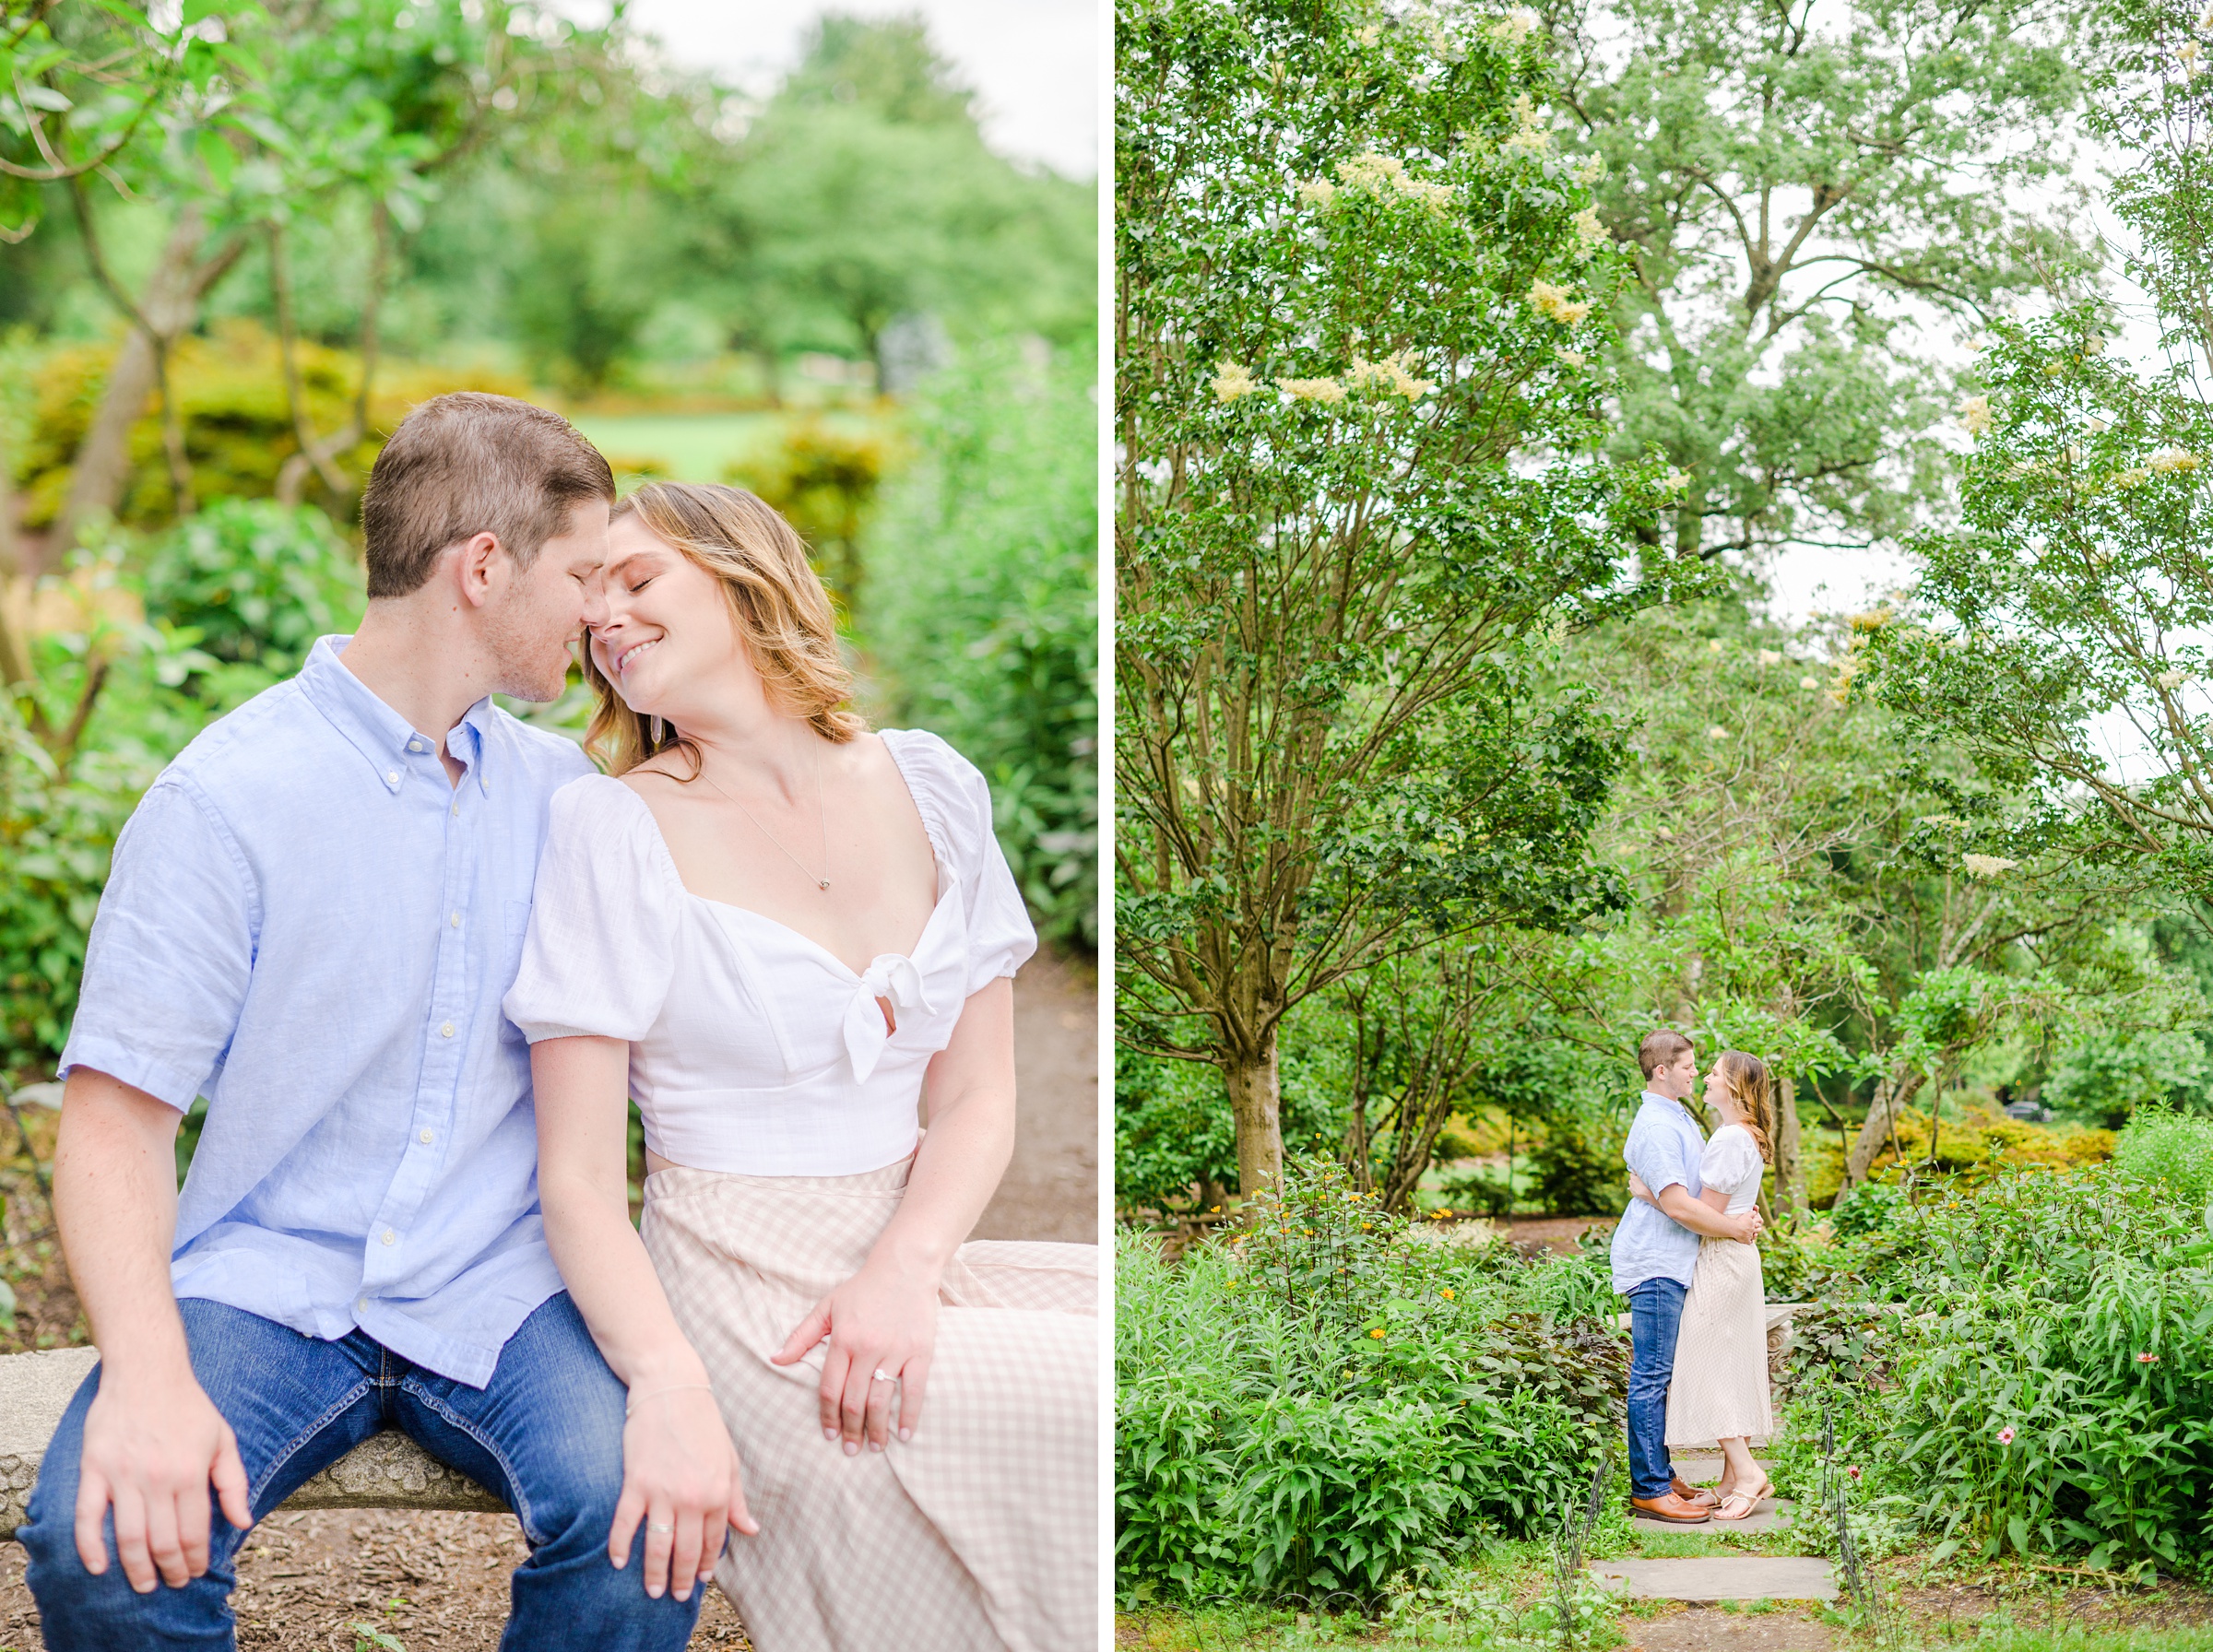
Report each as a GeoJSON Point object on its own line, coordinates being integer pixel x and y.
{"type": "Point", "coordinates": [1656, 1155]}
{"type": "Point", "coordinates": [1731, 1159]}
{"type": "Point", "coordinates": [601, 948]}
{"type": "Point", "coordinates": [172, 951]}
{"type": "Point", "coordinates": [955, 803]}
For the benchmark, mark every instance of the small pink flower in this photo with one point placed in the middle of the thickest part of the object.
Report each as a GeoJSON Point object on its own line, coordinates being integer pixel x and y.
{"type": "Point", "coordinates": [2147, 1358]}
{"type": "Point", "coordinates": [2004, 1436]}
{"type": "Point", "coordinates": [1853, 1473]}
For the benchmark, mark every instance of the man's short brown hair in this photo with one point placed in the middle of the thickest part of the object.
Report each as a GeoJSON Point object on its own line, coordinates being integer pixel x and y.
{"type": "Point", "coordinates": [472, 463]}
{"type": "Point", "coordinates": [1662, 1046]}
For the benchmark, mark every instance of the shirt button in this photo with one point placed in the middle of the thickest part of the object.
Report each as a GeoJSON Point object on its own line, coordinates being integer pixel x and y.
{"type": "Point", "coordinates": [446, 1031]}
{"type": "Point", "coordinates": [391, 777]}
{"type": "Point", "coordinates": [390, 1237]}
{"type": "Point", "coordinates": [455, 920]}
{"type": "Point", "coordinates": [362, 1307]}
{"type": "Point", "coordinates": [426, 1139]}
{"type": "Point", "coordinates": [417, 746]}
{"type": "Point", "coordinates": [457, 809]}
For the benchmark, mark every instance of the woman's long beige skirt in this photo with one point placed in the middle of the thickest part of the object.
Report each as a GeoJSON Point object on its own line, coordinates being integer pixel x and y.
{"type": "Point", "coordinates": [1720, 1387]}
{"type": "Point", "coordinates": [979, 1533]}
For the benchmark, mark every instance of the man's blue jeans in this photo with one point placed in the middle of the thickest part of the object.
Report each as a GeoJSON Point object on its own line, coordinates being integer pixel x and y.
{"type": "Point", "coordinates": [545, 1434]}
{"type": "Point", "coordinates": [1655, 1312]}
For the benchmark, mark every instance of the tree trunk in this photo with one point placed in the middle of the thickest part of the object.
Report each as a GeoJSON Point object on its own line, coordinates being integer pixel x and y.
{"type": "Point", "coordinates": [1890, 1099]}
{"type": "Point", "coordinates": [1790, 1167]}
{"type": "Point", "coordinates": [1255, 1100]}
{"type": "Point", "coordinates": [102, 466]}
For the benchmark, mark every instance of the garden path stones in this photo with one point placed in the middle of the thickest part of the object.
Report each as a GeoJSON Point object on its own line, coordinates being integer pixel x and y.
{"type": "Point", "coordinates": [1719, 1577]}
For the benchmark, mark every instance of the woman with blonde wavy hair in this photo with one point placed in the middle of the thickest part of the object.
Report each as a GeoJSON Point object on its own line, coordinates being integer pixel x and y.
{"type": "Point", "coordinates": [1719, 1388]}
{"type": "Point", "coordinates": [780, 932]}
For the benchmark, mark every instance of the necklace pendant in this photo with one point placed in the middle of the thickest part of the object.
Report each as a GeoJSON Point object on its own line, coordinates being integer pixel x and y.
{"type": "Point", "coordinates": [823, 883]}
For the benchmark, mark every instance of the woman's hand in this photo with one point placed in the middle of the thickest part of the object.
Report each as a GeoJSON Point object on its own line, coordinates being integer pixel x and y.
{"type": "Point", "coordinates": [1638, 1191]}
{"type": "Point", "coordinates": [680, 1476]}
{"type": "Point", "coordinates": [883, 1319]}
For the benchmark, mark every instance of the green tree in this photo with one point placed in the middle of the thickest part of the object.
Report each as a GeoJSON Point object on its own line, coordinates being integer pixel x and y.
{"type": "Point", "coordinates": [1800, 197]}
{"type": "Point", "coordinates": [2059, 634]}
{"type": "Point", "coordinates": [1352, 299]}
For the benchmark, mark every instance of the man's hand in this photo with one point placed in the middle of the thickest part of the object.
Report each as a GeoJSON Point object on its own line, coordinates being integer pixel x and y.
{"type": "Point", "coordinates": [679, 1474]}
{"type": "Point", "coordinates": [151, 1450]}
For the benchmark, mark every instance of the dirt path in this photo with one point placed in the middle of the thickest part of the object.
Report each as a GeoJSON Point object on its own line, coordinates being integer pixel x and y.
{"type": "Point", "coordinates": [438, 1583]}
{"type": "Point", "coordinates": [1051, 1190]}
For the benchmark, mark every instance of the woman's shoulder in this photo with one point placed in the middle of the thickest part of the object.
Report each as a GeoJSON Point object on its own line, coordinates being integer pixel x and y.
{"type": "Point", "coordinates": [950, 791]}
{"type": "Point", "coordinates": [594, 814]}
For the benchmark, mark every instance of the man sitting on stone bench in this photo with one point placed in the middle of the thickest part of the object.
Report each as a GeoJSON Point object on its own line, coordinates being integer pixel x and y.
{"type": "Point", "coordinates": [312, 918]}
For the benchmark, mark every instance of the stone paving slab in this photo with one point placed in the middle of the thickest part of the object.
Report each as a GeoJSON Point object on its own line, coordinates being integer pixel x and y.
{"type": "Point", "coordinates": [1767, 1514]}
{"type": "Point", "coordinates": [1720, 1577]}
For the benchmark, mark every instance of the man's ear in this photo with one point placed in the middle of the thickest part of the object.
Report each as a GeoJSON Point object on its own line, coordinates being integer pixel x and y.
{"type": "Point", "coordinates": [481, 569]}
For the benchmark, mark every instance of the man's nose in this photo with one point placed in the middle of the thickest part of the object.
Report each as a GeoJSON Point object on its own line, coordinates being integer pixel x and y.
{"type": "Point", "coordinates": [596, 613]}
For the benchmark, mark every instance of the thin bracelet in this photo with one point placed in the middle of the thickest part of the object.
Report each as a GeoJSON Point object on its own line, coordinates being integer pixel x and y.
{"type": "Point", "coordinates": [630, 1405]}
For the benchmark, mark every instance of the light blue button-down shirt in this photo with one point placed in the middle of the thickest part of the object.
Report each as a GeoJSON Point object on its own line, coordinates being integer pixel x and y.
{"type": "Point", "coordinates": [310, 926]}
{"type": "Point", "coordinates": [1663, 1147]}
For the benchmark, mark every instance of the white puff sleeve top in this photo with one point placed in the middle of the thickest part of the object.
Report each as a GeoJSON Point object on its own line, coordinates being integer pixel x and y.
{"type": "Point", "coordinates": [1731, 1163]}
{"type": "Point", "coordinates": [753, 1050]}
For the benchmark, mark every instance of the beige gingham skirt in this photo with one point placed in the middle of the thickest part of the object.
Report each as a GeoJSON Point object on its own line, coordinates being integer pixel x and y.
{"type": "Point", "coordinates": [981, 1532]}
{"type": "Point", "coordinates": [1720, 1387]}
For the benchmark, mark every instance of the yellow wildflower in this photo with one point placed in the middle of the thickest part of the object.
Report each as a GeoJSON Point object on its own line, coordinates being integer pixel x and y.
{"type": "Point", "coordinates": [1377, 1334]}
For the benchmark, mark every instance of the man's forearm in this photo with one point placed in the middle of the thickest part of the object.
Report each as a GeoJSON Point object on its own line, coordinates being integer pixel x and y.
{"type": "Point", "coordinates": [115, 1206]}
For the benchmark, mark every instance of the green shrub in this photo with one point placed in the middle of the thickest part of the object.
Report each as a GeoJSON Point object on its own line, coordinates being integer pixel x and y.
{"type": "Point", "coordinates": [2102, 1080]}
{"type": "Point", "coordinates": [1329, 1400]}
{"type": "Point", "coordinates": [258, 580]}
{"type": "Point", "coordinates": [981, 608]}
{"type": "Point", "coordinates": [2046, 1383]}
{"type": "Point", "coordinates": [2173, 1149]}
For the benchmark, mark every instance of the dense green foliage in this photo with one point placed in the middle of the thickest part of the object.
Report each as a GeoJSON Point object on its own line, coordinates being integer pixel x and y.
{"type": "Point", "coordinates": [1332, 1399]}
{"type": "Point", "coordinates": [255, 581]}
{"type": "Point", "coordinates": [982, 607]}
{"type": "Point", "coordinates": [2037, 1374]}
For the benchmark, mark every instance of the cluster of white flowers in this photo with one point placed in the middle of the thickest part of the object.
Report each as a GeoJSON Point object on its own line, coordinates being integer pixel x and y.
{"type": "Point", "coordinates": [1974, 413]}
{"type": "Point", "coordinates": [1809, 683]}
{"type": "Point", "coordinates": [1390, 375]}
{"type": "Point", "coordinates": [1231, 381]}
{"type": "Point", "coordinates": [1714, 645]}
{"type": "Point", "coordinates": [1769, 656]}
{"type": "Point", "coordinates": [1589, 169]}
{"type": "Point", "coordinates": [2188, 54]}
{"type": "Point", "coordinates": [1370, 35]}
{"type": "Point", "coordinates": [1530, 135]}
{"type": "Point", "coordinates": [1717, 732]}
{"type": "Point", "coordinates": [1588, 228]}
{"type": "Point", "coordinates": [1319, 192]}
{"type": "Point", "coordinates": [2133, 478]}
{"type": "Point", "coordinates": [2170, 680]}
{"type": "Point", "coordinates": [1310, 390]}
{"type": "Point", "coordinates": [2168, 461]}
{"type": "Point", "coordinates": [1573, 358]}
{"type": "Point", "coordinates": [1513, 28]}
{"type": "Point", "coordinates": [1675, 481]}
{"type": "Point", "coordinates": [1553, 302]}
{"type": "Point", "coordinates": [1382, 177]}
{"type": "Point", "coordinates": [1987, 865]}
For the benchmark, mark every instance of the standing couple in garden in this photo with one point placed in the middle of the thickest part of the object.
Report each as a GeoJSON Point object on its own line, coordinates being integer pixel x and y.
{"type": "Point", "coordinates": [418, 956]}
{"type": "Point", "coordinates": [1685, 1257]}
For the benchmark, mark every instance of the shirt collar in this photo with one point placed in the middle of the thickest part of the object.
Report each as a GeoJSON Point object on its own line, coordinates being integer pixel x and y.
{"type": "Point", "coordinates": [1667, 1102]}
{"type": "Point", "coordinates": [380, 734]}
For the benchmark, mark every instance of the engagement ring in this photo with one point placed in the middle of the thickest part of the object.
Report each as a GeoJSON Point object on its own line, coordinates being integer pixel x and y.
{"type": "Point", "coordinates": [884, 1376]}
{"type": "Point", "coordinates": [664, 1531]}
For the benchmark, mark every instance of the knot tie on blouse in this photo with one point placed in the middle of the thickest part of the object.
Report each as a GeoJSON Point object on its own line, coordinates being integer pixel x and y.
{"type": "Point", "coordinates": [891, 977]}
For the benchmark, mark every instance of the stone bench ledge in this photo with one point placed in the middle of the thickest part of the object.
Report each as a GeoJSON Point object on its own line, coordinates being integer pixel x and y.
{"type": "Point", "coordinates": [388, 1472]}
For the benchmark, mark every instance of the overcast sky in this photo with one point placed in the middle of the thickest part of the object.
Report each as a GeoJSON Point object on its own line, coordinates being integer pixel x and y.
{"type": "Point", "coordinates": [1034, 63]}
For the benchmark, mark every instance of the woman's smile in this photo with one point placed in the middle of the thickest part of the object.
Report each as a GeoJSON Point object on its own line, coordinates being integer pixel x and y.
{"type": "Point", "coordinates": [623, 660]}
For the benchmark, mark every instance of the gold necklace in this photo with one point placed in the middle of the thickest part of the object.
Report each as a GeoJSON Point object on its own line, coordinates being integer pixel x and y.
{"type": "Point", "coordinates": [822, 814]}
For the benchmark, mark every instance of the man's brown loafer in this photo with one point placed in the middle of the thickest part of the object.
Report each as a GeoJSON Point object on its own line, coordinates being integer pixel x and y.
{"type": "Point", "coordinates": [1702, 1496]}
{"type": "Point", "coordinates": [1672, 1509]}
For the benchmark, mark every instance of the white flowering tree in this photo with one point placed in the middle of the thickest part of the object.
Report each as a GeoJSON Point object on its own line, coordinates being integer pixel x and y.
{"type": "Point", "coordinates": [2062, 636]}
{"type": "Point", "coordinates": [1355, 316]}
